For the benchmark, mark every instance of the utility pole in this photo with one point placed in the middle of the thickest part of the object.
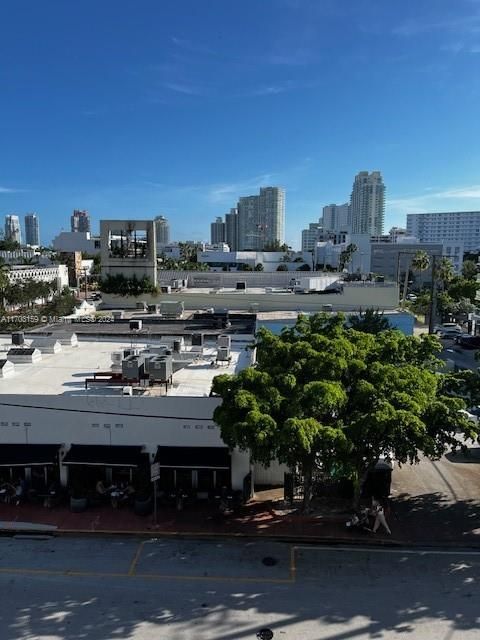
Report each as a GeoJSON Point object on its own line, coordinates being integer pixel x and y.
{"type": "Point", "coordinates": [433, 297]}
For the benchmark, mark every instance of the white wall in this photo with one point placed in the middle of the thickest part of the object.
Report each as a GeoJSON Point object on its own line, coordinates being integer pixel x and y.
{"type": "Point", "coordinates": [353, 298]}
{"type": "Point", "coordinates": [151, 422]}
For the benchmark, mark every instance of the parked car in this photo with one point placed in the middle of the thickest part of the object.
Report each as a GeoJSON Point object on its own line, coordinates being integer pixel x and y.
{"type": "Point", "coordinates": [447, 334]}
{"type": "Point", "coordinates": [451, 327]}
{"type": "Point", "coordinates": [468, 341]}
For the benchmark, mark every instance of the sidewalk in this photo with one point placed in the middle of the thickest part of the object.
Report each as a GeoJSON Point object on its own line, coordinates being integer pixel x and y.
{"type": "Point", "coordinates": [411, 524]}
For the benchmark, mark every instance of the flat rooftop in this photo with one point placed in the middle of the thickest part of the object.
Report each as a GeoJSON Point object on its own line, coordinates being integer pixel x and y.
{"type": "Point", "coordinates": [64, 373]}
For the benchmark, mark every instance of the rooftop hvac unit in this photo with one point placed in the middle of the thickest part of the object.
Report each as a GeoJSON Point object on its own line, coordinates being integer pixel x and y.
{"type": "Point", "coordinates": [18, 338]}
{"type": "Point", "coordinates": [166, 289]}
{"type": "Point", "coordinates": [223, 354]}
{"type": "Point", "coordinates": [133, 367]}
{"type": "Point", "coordinates": [127, 391]}
{"type": "Point", "coordinates": [224, 341]}
{"type": "Point", "coordinates": [158, 350]}
{"type": "Point", "coordinates": [153, 308]}
{"type": "Point", "coordinates": [135, 325]}
{"type": "Point", "coordinates": [197, 339]}
{"type": "Point", "coordinates": [161, 369]}
{"type": "Point", "coordinates": [117, 315]}
{"type": "Point", "coordinates": [241, 286]}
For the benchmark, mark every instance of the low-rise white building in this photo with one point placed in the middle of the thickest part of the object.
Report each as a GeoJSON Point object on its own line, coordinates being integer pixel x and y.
{"type": "Point", "coordinates": [81, 411]}
{"type": "Point", "coordinates": [270, 260]}
{"type": "Point", "coordinates": [71, 241]}
{"type": "Point", "coordinates": [39, 273]}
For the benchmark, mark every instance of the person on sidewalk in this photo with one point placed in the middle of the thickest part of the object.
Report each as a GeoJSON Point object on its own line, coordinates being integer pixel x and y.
{"type": "Point", "coordinates": [378, 513]}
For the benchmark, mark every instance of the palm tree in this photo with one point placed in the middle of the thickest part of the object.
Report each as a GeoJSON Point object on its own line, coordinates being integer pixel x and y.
{"type": "Point", "coordinates": [444, 272]}
{"type": "Point", "coordinates": [420, 262]}
{"type": "Point", "coordinates": [4, 282]}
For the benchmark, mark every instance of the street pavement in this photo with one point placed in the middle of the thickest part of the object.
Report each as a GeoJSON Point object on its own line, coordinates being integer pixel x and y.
{"type": "Point", "coordinates": [439, 501]}
{"type": "Point", "coordinates": [101, 588]}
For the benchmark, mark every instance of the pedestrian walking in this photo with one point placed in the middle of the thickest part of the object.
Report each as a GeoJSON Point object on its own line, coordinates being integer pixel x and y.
{"type": "Point", "coordinates": [378, 513]}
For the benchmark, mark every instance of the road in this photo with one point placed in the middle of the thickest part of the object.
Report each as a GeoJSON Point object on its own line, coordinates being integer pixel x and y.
{"type": "Point", "coordinates": [100, 589]}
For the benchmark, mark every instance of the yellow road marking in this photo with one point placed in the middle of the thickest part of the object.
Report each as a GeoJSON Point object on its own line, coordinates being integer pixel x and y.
{"type": "Point", "coordinates": [136, 558]}
{"type": "Point", "coordinates": [132, 572]}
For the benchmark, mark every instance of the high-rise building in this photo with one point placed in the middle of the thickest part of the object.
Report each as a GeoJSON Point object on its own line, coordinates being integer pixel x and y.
{"type": "Point", "coordinates": [217, 231]}
{"type": "Point", "coordinates": [367, 204]}
{"type": "Point", "coordinates": [231, 229]}
{"type": "Point", "coordinates": [261, 219]}
{"type": "Point", "coordinates": [335, 217]}
{"type": "Point", "coordinates": [12, 229]}
{"type": "Point", "coordinates": [32, 230]}
{"type": "Point", "coordinates": [452, 227]}
{"type": "Point", "coordinates": [80, 221]}
{"type": "Point", "coordinates": [310, 236]}
{"type": "Point", "coordinates": [162, 230]}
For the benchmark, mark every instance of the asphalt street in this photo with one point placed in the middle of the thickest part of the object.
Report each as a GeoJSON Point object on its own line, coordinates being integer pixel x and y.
{"type": "Point", "coordinates": [111, 588]}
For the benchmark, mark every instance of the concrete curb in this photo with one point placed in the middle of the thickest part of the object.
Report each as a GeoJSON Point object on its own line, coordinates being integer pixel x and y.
{"type": "Point", "coordinates": [292, 539]}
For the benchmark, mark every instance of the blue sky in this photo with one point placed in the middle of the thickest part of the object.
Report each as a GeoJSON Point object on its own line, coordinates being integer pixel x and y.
{"type": "Point", "coordinates": [146, 107]}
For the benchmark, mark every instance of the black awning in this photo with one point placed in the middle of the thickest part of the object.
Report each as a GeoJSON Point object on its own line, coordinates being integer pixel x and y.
{"type": "Point", "coordinates": [105, 455]}
{"type": "Point", "coordinates": [28, 455]}
{"type": "Point", "coordinates": [193, 457]}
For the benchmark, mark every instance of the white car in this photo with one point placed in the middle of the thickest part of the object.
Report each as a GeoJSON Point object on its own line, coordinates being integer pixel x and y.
{"type": "Point", "coordinates": [451, 327]}
{"type": "Point", "coordinates": [448, 334]}
{"type": "Point", "coordinates": [473, 414]}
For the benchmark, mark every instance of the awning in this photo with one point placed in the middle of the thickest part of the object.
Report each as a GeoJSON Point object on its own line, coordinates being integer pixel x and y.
{"type": "Point", "coordinates": [28, 455]}
{"type": "Point", "coordinates": [105, 455]}
{"type": "Point", "coordinates": [193, 457]}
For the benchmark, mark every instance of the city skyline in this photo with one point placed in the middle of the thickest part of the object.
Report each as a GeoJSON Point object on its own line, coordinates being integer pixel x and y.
{"type": "Point", "coordinates": [192, 115]}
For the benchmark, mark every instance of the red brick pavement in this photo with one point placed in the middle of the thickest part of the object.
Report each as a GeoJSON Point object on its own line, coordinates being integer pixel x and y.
{"type": "Point", "coordinates": [255, 519]}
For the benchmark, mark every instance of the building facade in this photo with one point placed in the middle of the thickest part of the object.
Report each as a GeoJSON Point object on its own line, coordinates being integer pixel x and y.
{"type": "Point", "coordinates": [231, 229]}
{"type": "Point", "coordinates": [310, 236]}
{"type": "Point", "coordinates": [80, 221]}
{"type": "Point", "coordinates": [70, 241]}
{"type": "Point", "coordinates": [336, 217]}
{"type": "Point", "coordinates": [39, 273]}
{"type": "Point", "coordinates": [261, 219]}
{"type": "Point", "coordinates": [162, 230]}
{"type": "Point", "coordinates": [12, 229]}
{"type": "Point", "coordinates": [32, 230]}
{"type": "Point", "coordinates": [367, 204]}
{"type": "Point", "coordinates": [218, 231]}
{"type": "Point", "coordinates": [457, 227]}
{"type": "Point", "coordinates": [129, 247]}
{"type": "Point", "coordinates": [391, 259]}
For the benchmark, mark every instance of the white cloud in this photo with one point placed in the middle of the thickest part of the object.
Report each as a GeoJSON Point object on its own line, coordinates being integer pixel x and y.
{"type": "Point", "coordinates": [186, 89]}
{"type": "Point", "coordinates": [455, 198]}
{"type": "Point", "coordinates": [9, 190]}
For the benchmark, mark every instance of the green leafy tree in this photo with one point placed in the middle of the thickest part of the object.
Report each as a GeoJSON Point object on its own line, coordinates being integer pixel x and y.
{"type": "Point", "coordinates": [460, 288]}
{"type": "Point", "coordinates": [259, 267]}
{"type": "Point", "coordinates": [275, 246]}
{"type": "Point", "coordinates": [369, 321]}
{"type": "Point", "coordinates": [304, 267]}
{"type": "Point", "coordinates": [282, 267]}
{"type": "Point", "coordinates": [322, 395]}
{"type": "Point", "coordinates": [469, 270]}
{"type": "Point", "coordinates": [346, 256]}
{"type": "Point", "coordinates": [4, 282]}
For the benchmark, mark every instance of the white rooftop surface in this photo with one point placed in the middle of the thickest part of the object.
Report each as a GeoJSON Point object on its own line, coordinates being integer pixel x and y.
{"type": "Point", "coordinates": [65, 372]}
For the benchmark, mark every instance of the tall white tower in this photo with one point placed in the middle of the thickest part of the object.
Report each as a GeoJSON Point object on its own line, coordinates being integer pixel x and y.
{"type": "Point", "coordinates": [367, 204]}
{"type": "Point", "coordinates": [12, 229]}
